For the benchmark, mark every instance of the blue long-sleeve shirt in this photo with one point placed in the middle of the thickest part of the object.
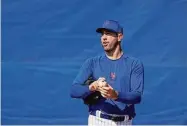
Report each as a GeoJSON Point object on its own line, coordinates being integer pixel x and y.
{"type": "Point", "coordinates": [125, 75]}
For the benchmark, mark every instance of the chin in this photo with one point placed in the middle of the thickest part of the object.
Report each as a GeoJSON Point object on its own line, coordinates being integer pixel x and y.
{"type": "Point", "coordinates": [107, 50]}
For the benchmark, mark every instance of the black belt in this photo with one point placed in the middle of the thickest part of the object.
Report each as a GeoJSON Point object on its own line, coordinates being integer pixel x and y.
{"type": "Point", "coordinates": [113, 118]}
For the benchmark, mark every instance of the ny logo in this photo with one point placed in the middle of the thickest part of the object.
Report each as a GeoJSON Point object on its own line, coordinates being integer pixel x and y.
{"type": "Point", "coordinates": [112, 75]}
{"type": "Point", "coordinates": [106, 23]}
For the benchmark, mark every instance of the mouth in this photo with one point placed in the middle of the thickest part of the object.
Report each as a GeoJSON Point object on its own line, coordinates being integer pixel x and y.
{"type": "Point", "coordinates": [105, 44]}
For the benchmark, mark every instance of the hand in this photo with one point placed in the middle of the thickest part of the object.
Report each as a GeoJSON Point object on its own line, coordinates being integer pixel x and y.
{"type": "Point", "coordinates": [93, 86]}
{"type": "Point", "coordinates": [97, 84]}
{"type": "Point", "coordinates": [108, 92]}
{"type": "Point", "coordinates": [101, 82]}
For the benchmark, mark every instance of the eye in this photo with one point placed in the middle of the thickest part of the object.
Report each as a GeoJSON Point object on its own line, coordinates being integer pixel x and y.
{"type": "Point", "coordinates": [108, 33]}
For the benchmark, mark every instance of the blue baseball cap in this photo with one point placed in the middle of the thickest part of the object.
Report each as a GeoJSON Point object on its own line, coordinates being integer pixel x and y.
{"type": "Point", "coordinates": [110, 25]}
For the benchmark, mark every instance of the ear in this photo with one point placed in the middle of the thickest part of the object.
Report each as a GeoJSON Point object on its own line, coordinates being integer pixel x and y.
{"type": "Point", "coordinates": [120, 36]}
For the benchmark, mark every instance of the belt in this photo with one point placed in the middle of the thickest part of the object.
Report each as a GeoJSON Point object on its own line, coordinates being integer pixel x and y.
{"type": "Point", "coordinates": [115, 118]}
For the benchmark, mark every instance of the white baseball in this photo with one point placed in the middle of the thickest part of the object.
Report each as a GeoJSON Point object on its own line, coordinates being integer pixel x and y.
{"type": "Point", "coordinates": [101, 82]}
{"type": "Point", "coordinates": [104, 84]}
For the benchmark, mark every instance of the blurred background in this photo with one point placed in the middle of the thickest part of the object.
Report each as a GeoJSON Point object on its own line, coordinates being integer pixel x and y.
{"type": "Point", "coordinates": [45, 42]}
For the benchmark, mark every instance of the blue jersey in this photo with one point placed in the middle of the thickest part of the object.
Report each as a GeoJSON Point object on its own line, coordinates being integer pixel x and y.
{"type": "Point", "coordinates": [125, 75]}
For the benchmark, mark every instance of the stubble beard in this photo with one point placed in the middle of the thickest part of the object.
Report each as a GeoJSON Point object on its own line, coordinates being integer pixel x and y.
{"type": "Point", "coordinates": [112, 49]}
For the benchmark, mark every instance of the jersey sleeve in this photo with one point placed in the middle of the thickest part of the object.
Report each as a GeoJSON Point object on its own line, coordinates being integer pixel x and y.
{"type": "Point", "coordinates": [78, 89]}
{"type": "Point", "coordinates": [137, 85]}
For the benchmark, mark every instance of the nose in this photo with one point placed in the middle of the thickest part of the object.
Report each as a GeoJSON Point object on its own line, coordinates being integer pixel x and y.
{"type": "Point", "coordinates": [104, 37]}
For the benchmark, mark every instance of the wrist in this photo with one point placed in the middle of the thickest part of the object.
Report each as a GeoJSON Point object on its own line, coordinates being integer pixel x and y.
{"type": "Point", "coordinates": [116, 95]}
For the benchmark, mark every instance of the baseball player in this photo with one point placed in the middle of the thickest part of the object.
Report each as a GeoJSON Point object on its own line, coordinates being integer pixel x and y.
{"type": "Point", "coordinates": [117, 81]}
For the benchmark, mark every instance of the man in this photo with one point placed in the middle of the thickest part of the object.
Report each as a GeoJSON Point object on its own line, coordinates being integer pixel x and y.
{"type": "Point", "coordinates": [119, 79]}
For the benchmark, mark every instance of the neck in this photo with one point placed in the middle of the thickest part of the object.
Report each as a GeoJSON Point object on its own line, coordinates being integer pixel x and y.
{"type": "Point", "coordinates": [115, 54]}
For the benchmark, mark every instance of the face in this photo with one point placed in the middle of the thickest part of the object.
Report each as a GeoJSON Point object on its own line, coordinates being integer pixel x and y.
{"type": "Point", "coordinates": [110, 40]}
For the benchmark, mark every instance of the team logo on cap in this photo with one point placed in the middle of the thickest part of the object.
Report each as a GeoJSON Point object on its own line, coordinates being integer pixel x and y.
{"type": "Point", "coordinates": [107, 22]}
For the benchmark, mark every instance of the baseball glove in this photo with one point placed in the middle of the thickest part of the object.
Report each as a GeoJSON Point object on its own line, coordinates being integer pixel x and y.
{"type": "Point", "coordinates": [94, 97]}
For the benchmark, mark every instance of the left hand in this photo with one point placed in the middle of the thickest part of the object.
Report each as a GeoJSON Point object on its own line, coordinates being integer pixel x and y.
{"type": "Point", "coordinates": [108, 92]}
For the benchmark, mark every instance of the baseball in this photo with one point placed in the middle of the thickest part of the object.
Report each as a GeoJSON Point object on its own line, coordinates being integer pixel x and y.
{"type": "Point", "coordinates": [101, 82]}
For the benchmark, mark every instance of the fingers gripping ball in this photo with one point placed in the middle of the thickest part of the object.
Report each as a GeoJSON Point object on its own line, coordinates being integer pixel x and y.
{"type": "Point", "coordinates": [101, 82]}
